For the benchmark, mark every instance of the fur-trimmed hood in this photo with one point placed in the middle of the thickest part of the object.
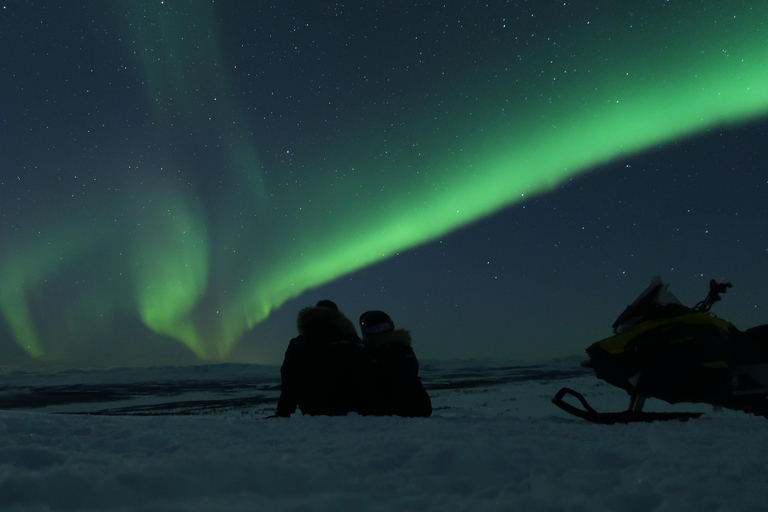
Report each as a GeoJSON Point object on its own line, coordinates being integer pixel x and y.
{"type": "Point", "coordinates": [325, 324]}
{"type": "Point", "coordinates": [388, 339]}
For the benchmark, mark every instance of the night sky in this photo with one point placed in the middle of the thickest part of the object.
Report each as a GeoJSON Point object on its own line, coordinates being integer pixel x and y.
{"type": "Point", "coordinates": [179, 178]}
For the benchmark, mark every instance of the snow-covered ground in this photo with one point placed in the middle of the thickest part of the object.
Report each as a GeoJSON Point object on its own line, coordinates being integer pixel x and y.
{"type": "Point", "coordinates": [195, 439]}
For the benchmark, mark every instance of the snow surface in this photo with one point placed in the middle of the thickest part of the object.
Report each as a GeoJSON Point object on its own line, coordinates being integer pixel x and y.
{"type": "Point", "coordinates": [494, 442]}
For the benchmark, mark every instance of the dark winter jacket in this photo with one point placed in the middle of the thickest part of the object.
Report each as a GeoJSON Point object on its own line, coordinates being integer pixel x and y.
{"type": "Point", "coordinates": [319, 365]}
{"type": "Point", "coordinates": [391, 385]}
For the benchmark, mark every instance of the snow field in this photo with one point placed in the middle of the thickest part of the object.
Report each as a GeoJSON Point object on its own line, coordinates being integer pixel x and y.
{"type": "Point", "coordinates": [495, 448]}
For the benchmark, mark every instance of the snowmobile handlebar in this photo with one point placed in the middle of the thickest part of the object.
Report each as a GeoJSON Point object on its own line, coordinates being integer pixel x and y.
{"type": "Point", "coordinates": [715, 289]}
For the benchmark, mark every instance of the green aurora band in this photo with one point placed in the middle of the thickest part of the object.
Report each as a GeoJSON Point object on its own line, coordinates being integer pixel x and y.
{"type": "Point", "coordinates": [175, 273]}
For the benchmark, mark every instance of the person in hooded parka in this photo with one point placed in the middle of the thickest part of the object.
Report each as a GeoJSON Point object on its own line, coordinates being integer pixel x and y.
{"type": "Point", "coordinates": [391, 383]}
{"type": "Point", "coordinates": [318, 372]}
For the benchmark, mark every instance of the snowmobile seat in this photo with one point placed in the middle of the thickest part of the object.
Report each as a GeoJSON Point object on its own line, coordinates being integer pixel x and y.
{"type": "Point", "coordinates": [758, 334]}
{"type": "Point", "coordinates": [754, 345]}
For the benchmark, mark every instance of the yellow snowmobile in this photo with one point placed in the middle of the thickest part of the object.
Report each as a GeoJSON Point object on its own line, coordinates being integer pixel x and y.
{"type": "Point", "coordinates": [663, 349]}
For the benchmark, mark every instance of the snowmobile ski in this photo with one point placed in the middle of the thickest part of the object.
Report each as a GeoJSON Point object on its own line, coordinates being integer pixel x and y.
{"type": "Point", "coordinates": [610, 418]}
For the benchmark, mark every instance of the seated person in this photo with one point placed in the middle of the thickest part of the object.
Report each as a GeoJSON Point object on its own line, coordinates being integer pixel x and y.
{"type": "Point", "coordinates": [318, 372]}
{"type": "Point", "coordinates": [391, 384]}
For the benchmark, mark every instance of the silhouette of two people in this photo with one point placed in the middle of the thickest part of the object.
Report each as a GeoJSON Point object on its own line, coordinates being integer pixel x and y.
{"type": "Point", "coordinates": [329, 370]}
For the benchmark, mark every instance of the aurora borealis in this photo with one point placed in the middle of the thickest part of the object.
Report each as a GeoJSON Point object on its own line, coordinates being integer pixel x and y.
{"type": "Point", "coordinates": [177, 174]}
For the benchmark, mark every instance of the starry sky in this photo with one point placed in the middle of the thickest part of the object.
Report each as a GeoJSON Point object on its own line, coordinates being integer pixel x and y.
{"type": "Point", "coordinates": [179, 178]}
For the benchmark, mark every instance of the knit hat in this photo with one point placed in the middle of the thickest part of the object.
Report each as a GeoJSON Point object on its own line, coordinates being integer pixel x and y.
{"type": "Point", "coordinates": [375, 322]}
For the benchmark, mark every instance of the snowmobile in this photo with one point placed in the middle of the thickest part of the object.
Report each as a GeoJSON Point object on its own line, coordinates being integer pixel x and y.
{"type": "Point", "coordinates": [663, 349]}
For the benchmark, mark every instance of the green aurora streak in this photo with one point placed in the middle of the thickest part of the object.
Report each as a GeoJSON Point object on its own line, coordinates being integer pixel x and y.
{"type": "Point", "coordinates": [640, 91]}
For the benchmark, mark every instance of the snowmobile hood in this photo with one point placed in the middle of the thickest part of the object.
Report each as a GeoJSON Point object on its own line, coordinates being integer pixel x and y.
{"type": "Point", "coordinates": [617, 344]}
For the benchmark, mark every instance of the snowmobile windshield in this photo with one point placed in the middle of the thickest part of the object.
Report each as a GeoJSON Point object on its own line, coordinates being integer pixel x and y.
{"type": "Point", "coordinates": [653, 297]}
